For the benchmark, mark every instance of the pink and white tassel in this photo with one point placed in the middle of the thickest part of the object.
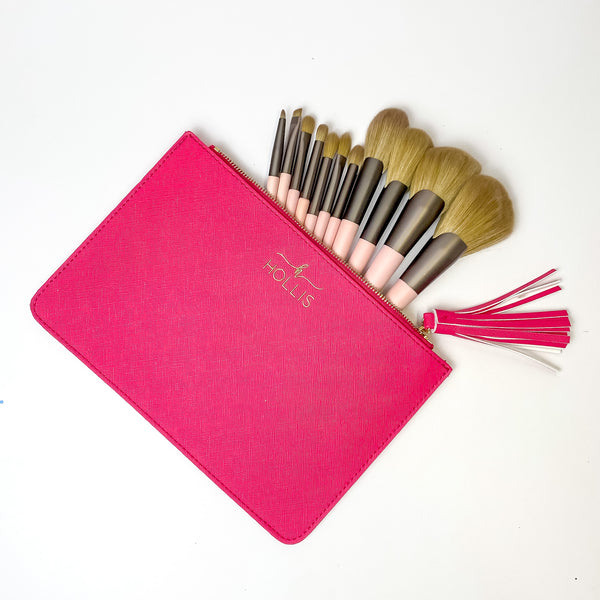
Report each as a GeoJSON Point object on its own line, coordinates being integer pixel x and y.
{"type": "Point", "coordinates": [489, 323]}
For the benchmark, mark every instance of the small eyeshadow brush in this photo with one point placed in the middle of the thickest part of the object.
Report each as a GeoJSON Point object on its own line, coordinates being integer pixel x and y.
{"type": "Point", "coordinates": [308, 126]}
{"type": "Point", "coordinates": [287, 166]}
{"type": "Point", "coordinates": [276, 156]}
{"type": "Point", "coordinates": [331, 146]}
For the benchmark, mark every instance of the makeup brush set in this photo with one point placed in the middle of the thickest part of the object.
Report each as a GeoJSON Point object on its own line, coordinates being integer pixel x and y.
{"type": "Point", "coordinates": [473, 211]}
{"type": "Point", "coordinates": [249, 326]}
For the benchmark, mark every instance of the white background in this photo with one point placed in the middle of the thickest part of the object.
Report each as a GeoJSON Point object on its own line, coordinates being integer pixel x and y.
{"type": "Point", "coordinates": [493, 489]}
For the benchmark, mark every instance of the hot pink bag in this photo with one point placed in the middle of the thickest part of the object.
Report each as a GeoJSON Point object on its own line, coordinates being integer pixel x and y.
{"type": "Point", "coordinates": [262, 357]}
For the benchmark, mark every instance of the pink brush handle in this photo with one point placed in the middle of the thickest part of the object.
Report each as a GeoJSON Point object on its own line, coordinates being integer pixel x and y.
{"type": "Point", "coordinates": [292, 201]}
{"type": "Point", "coordinates": [344, 238]}
{"type": "Point", "coordinates": [272, 185]}
{"type": "Point", "coordinates": [383, 267]}
{"type": "Point", "coordinates": [361, 255]}
{"type": "Point", "coordinates": [310, 222]}
{"type": "Point", "coordinates": [302, 209]}
{"type": "Point", "coordinates": [321, 225]}
{"type": "Point", "coordinates": [283, 188]}
{"type": "Point", "coordinates": [401, 294]}
{"type": "Point", "coordinates": [332, 229]}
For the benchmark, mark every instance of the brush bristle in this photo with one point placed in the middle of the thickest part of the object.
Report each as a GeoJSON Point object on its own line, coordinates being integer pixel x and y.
{"type": "Point", "coordinates": [297, 113]}
{"type": "Point", "coordinates": [481, 214]}
{"type": "Point", "coordinates": [444, 171]}
{"type": "Point", "coordinates": [322, 131]}
{"type": "Point", "coordinates": [357, 155]}
{"type": "Point", "coordinates": [409, 149]}
{"type": "Point", "coordinates": [282, 115]}
{"type": "Point", "coordinates": [308, 125]}
{"type": "Point", "coordinates": [382, 133]}
{"type": "Point", "coordinates": [332, 142]}
{"type": "Point", "coordinates": [345, 145]}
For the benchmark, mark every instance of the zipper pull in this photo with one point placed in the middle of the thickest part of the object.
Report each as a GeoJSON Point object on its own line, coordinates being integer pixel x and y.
{"type": "Point", "coordinates": [522, 332]}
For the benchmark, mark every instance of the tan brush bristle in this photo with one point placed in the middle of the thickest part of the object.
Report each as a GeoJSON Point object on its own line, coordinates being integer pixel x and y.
{"type": "Point", "coordinates": [444, 171]}
{"type": "Point", "coordinates": [357, 155]}
{"type": "Point", "coordinates": [322, 131]}
{"type": "Point", "coordinates": [382, 133]}
{"type": "Point", "coordinates": [345, 145]}
{"type": "Point", "coordinates": [332, 142]}
{"type": "Point", "coordinates": [297, 113]}
{"type": "Point", "coordinates": [481, 214]}
{"type": "Point", "coordinates": [308, 125]}
{"type": "Point", "coordinates": [408, 152]}
{"type": "Point", "coordinates": [282, 115]}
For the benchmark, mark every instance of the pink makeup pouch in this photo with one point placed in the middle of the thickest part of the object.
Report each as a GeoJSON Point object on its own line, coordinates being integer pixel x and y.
{"type": "Point", "coordinates": [273, 367]}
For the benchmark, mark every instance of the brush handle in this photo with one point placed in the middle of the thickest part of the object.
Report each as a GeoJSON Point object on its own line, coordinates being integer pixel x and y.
{"type": "Point", "coordinates": [383, 267]}
{"type": "Point", "coordinates": [437, 256]}
{"type": "Point", "coordinates": [302, 209]}
{"type": "Point", "coordinates": [344, 238]}
{"type": "Point", "coordinates": [272, 185]}
{"type": "Point", "coordinates": [283, 188]}
{"type": "Point", "coordinates": [292, 201]}
{"type": "Point", "coordinates": [361, 255]}
{"type": "Point", "coordinates": [321, 225]}
{"type": "Point", "coordinates": [331, 231]}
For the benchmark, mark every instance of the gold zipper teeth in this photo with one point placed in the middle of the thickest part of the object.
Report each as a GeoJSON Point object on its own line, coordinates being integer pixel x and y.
{"type": "Point", "coordinates": [422, 331]}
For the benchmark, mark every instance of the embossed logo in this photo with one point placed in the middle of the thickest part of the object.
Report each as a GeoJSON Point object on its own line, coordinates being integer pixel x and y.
{"type": "Point", "coordinates": [292, 279]}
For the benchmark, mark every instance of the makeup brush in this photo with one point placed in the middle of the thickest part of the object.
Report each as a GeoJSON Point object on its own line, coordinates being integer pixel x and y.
{"type": "Point", "coordinates": [480, 216]}
{"type": "Point", "coordinates": [407, 154]}
{"type": "Point", "coordinates": [276, 156]}
{"type": "Point", "coordinates": [355, 161]}
{"type": "Point", "coordinates": [311, 173]}
{"type": "Point", "coordinates": [437, 180]}
{"type": "Point", "coordinates": [288, 158]}
{"type": "Point", "coordinates": [331, 147]}
{"type": "Point", "coordinates": [379, 142]}
{"type": "Point", "coordinates": [337, 168]}
{"type": "Point", "coordinates": [308, 126]}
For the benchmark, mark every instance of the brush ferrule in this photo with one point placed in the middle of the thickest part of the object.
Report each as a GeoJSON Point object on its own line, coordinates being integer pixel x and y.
{"type": "Point", "coordinates": [367, 181]}
{"type": "Point", "coordinates": [439, 254]}
{"type": "Point", "coordinates": [290, 151]}
{"type": "Point", "coordinates": [312, 169]}
{"type": "Point", "coordinates": [320, 186]}
{"type": "Point", "coordinates": [303, 145]}
{"type": "Point", "coordinates": [385, 207]}
{"type": "Point", "coordinates": [418, 215]}
{"type": "Point", "coordinates": [277, 154]}
{"type": "Point", "coordinates": [339, 206]}
{"type": "Point", "coordinates": [337, 168]}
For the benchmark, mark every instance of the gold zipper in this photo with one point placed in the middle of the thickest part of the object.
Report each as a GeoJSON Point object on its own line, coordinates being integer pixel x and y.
{"type": "Point", "coordinates": [422, 330]}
